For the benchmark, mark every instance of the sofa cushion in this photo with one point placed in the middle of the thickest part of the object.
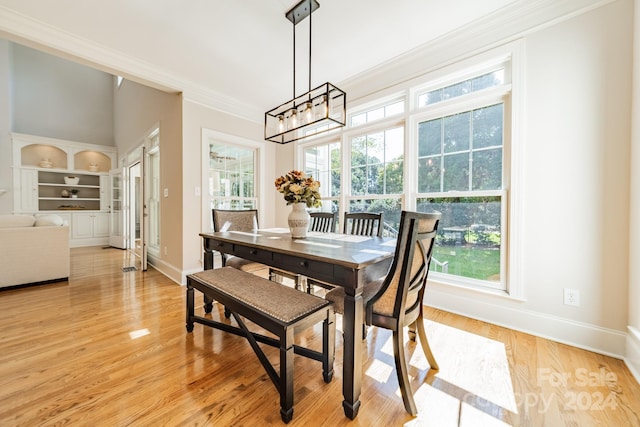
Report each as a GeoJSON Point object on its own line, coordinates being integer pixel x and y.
{"type": "Point", "coordinates": [12, 221]}
{"type": "Point", "coordinates": [50, 219]}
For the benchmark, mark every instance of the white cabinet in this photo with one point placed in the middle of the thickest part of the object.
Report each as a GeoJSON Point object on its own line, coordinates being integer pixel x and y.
{"type": "Point", "coordinates": [28, 193]}
{"type": "Point", "coordinates": [89, 228]}
{"type": "Point", "coordinates": [41, 170]}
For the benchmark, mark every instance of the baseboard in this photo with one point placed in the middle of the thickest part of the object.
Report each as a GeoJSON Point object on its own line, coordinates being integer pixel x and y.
{"type": "Point", "coordinates": [585, 336]}
{"type": "Point", "coordinates": [167, 269]}
{"type": "Point", "coordinates": [632, 356]}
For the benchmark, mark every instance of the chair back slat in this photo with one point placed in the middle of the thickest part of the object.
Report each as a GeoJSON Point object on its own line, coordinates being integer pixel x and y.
{"type": "Point", "coordinates": [401, 293]}
{"type": "Point", "coordinates": [363, 223]}
{"type": "Point", "coordinates": [235, 220]}
{"type": "Point", "coordinates": [324, 222]}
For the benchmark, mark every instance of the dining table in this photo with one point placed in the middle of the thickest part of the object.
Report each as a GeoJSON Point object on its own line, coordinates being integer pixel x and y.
{"type": "Point", "coordinates": [343, 260]}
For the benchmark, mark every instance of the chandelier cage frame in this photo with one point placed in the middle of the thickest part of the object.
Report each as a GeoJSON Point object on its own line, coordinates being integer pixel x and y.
{"type": "Point", "coordinates": [317, 111]}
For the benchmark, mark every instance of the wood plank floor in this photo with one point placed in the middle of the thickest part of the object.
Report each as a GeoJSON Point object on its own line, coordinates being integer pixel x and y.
{"type": "Point", "coordinates": [109, 348]}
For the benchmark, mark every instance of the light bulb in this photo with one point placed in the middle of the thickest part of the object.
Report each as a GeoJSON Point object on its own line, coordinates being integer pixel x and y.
{"type": "Point", "coordinates": [280, 123]}
{"type": "Point", "coordinates": [308, 111]}
{"type": "Point", "coordinates": [293, 119]}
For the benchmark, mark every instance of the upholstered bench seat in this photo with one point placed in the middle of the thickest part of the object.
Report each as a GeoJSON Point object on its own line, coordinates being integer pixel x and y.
{"type": "Point", "coordinates": [281, 310]}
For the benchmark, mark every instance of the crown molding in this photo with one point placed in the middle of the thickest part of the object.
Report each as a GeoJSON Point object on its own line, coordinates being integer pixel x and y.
{"type": "Point", "coordinates": [510, 23]}
{"type": "Point", "coordinates": [25, 30]}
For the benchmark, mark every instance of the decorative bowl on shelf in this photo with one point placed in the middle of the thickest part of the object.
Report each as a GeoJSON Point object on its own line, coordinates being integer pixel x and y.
{"type": "Point", "coordinates": [46, 163]}
{"type": "Point", "coordinates": [71, 180]}
{"type": "Point", "coordinates": [93, 167]}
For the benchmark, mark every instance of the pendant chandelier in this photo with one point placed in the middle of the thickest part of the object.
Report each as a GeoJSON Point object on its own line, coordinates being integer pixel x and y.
{"type": "Point", "coordinates": [319, 110]}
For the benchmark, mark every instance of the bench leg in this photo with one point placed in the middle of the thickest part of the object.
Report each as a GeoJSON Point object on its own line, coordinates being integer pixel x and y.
{"type": "Point", "coordinates": [286, 375]}
{"type": "Point", "coordinates": [328, 346]}
{"type": "Point", "coordinates": [190, 308]}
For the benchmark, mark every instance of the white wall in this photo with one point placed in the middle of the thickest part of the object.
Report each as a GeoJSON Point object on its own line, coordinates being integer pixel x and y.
{"type": "Point", "coordinates": [60, 99]}
{"type": "Point", "coordinates": [195, 118]}
{"type": "Point", "coordinates": [574, 177]}
{"type": "Point", "coordinates": [633, 339]}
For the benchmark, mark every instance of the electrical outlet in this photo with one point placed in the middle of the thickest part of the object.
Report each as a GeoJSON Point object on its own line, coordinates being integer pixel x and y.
{"type": "Point", "coordinates": [571, 297]}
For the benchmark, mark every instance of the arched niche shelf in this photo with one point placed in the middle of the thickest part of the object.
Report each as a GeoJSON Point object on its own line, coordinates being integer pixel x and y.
{"type": "Point", "coordinates": [45, 156]}
{"type": "Point", "coordinates": [93, 161]}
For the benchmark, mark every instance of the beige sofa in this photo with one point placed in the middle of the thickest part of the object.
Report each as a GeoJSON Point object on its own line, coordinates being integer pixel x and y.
{"type": "Point", "coordinates": [33, 249]}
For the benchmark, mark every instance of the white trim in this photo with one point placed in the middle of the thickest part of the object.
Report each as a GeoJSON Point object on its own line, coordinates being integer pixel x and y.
{"type": "Point", "coordinates": [168, 270]}
{"type": "Point", "coordinates": [632, 356]}
{"type": "Point", "coordinates": [490, 309]}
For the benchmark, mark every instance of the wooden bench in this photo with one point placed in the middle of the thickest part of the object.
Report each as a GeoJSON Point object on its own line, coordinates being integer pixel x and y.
{"type": "Point", "coordinates": [280, 310]}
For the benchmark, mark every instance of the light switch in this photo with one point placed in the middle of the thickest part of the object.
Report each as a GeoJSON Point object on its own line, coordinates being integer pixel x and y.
{"type": "Point", "coordinates": [197, 191]}
{"type": "Point", "coordinates": [166, 192]}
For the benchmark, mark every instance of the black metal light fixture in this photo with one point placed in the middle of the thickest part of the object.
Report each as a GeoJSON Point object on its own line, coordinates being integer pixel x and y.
{"type": "Point", "coordinates": [319, 110]}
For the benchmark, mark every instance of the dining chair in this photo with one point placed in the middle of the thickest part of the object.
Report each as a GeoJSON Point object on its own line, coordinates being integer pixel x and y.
{"type": "Point", "coordinates": [363, 223]}
{"type": "Point", "coordinates": [237, 220]}
{"type": "Point", "coordinates": [324, 222]}
{"type": "Point", "coordinates": [395, 300]}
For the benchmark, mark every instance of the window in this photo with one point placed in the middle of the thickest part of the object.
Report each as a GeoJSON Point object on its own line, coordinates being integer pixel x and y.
{"type": "Point", "coordinates": [377, 174]}
{"type": "Point", "coordinates": [377, 113]}
{"type": "Point", "coordinates": [323, 163]}
{"type": "Point", "coordinates": [231, 176]}
{"type": "Point", "coordinates": [460, 172]}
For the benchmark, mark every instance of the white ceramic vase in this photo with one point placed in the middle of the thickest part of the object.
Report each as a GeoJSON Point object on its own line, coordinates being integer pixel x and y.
{"type": "Point", "coordinates": [298, 220]}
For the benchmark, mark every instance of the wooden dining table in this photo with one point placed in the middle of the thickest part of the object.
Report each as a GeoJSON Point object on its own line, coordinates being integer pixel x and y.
{"type": "Point", "coordinates": [339, 259]}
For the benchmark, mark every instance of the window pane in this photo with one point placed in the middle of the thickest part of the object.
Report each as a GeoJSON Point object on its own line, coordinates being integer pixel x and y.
{"type": "Point", "coordinates": [393, 177]}
{"type": "Point", "coordinates": [468, 242]}
{"type": "Point", "coordinates": [487, 170]}
{"type": "Point", "coordinates": [429, 175]}
{"type": "Point", "coordinates": [456, 90]}
{"type": "Point", "coordinates": [391, 209]}
{"type": "Point", "coordinates": [430, 137]}
{"type": "Point", "coordinates": [487, 126]}
{"type": "Point", "coordinates": [376, 114]}
{"type": "Point", "coordinates": [492, 79]}
{"type": "Point", "coordinates": [359, 151]}
{"type": "Point", "coordinates": [456, 132]}
{"type": "Point", "coordinates": [495, 78]}
{"type": "Point", "coordinates": [393, 109]}
{"type": "Point", "coordinates": [393, 144]}
{"type": "Point", "coordinates": [456, 172]}
{"type": "Point", "coordinates": [359, 180]}
{"type": "Point", "coordinates": [231, 176]}
{"type": "Point", "coordinates": [323, 163]}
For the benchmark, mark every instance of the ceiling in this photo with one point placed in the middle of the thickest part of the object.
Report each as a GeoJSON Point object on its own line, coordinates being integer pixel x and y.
{"type": "Point", "coordinates": [238, 50]}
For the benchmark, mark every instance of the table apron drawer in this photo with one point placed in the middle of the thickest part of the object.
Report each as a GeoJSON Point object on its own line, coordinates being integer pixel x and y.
{"type": "Point", "coordinates": [304, 266]}
{"type": "Point", "coordinates": [252, 254]}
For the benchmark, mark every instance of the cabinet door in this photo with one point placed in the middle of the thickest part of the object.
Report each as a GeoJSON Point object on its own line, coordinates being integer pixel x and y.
{"type": "Point", "coordinates": [105, 193]}
{"type": "Point", "coordinates": [101, 224]}
{"type": "Point", "coordinates": [28, 190]}
{"type": "Point", "coordinates": [82, 225]}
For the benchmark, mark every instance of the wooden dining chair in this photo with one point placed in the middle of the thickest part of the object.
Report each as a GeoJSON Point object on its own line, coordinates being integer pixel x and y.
{"type": "Point", "coordinates": [363, 223]}
{"type": "Point", "coordinates": [237, 220]}
{"type": "Point", "coordinates": [395, 300]}
{"type": "Point", "coordinates": [323, 222]}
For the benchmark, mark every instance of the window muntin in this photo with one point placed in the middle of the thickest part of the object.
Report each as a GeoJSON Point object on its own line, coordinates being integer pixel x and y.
{"type": "Point", "coordinates": [475, 84]}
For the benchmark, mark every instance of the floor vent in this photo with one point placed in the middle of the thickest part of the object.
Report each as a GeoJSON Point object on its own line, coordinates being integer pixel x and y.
{"type": "Point", "coordinates": [127, 269]}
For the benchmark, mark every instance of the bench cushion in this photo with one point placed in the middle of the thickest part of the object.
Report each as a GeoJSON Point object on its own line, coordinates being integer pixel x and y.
{"type": "Point", "coordinates": [282, 303]}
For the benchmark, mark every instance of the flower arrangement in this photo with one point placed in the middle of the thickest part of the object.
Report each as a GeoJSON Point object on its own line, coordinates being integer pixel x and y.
{"type": "Point", "coordinates": [298, 188]}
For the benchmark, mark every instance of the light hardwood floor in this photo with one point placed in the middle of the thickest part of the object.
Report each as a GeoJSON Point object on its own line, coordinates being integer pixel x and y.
{"type": "Point", "coordinates": [109, 348]}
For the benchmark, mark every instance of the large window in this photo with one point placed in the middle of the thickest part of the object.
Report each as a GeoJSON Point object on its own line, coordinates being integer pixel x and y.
{"type": "Point", "coordinates": [460, 171]}
{"type": "Point", "coordinates": [442, 144]}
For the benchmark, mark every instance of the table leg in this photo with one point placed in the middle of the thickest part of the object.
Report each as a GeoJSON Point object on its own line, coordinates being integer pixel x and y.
{"type": "Point", "coordinates": [208, 265]}
{"type": "Point", "coordinates": [352, 364]}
